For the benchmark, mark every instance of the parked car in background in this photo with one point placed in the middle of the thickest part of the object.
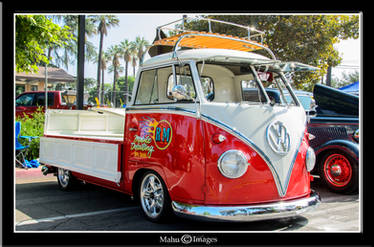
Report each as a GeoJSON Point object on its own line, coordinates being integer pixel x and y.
{"type": "Point", "coordinates": [28, 102]}
{"type": "Point", "coordinates": [305, 98]}
{"type": "Point", "coordinates": [334, 127]}
{"type": "Point", "coordinates": [336, 143]}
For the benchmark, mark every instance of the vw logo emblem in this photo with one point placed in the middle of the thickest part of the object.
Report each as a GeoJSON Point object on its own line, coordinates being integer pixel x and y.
{"type": "Point", "coordinates": [278, 138]}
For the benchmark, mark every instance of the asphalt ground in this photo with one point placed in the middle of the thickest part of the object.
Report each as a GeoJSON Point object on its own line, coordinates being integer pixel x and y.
{"type": "Point", "coordinates": [41, 207]}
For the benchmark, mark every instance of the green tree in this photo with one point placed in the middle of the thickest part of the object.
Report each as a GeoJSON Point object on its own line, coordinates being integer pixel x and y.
{"type": "Point", "coordinates": [134, 55]}
{"type": "Point", "coordinates": [68, 53]}
{"type": "Point", "coordinates": [34, 35]}
{"type": "Point", "coordinates": [89, 83]}
{"type": "Point", "coordinates": [126, 53]}
{"type": "Point", "coordinates": [105, 58]}
{"type": "Point", "coordinates": [141, 44]}
{"type": "Point", "coordinates": [347, 78]}
{"type": "Point", "coordinates": [104, 23]}
{"type": "Point", "coordinates": [123, 88]}
{"type": "Point", "coordinates": [115, 52]}
{"type": "Point", "coordinates": [303, 38]}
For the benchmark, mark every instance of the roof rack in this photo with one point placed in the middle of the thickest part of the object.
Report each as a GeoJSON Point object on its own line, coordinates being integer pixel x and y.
{"type": "Point", "coordinates": [196, 39]}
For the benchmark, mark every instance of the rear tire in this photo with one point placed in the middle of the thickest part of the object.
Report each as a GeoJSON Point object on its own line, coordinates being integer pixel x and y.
{"type": "Point", "coordinates": [339, 172]}
{"type": "Point", "coordinates": [65, 180]}
{"type": "Point", "coordinates": [154, 198]}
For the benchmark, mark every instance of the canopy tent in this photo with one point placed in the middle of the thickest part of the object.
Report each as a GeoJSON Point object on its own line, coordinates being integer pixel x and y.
{"type": "Point", "coordinates": [351, 88]}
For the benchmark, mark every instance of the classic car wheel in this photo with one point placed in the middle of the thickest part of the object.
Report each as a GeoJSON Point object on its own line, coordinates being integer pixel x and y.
{"type": "Point", "coordinates": [65, 179]}
{"type": "Point", "coordinates": [339, 172]}
{"type": "Point", "coordinates": [154, 198]}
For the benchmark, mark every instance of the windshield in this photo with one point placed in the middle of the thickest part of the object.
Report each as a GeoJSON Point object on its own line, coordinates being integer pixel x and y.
{"type": "Point", "coordinates": [240, 83]}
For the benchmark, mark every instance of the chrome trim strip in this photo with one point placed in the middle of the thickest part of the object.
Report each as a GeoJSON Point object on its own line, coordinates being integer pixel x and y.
{"type": "Point", "coordinates": [248, 213]}
{"type": "Point", "coordinates": [173, 109]}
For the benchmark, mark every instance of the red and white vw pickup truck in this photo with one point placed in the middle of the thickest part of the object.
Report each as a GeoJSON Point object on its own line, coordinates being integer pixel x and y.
{"type": "Point", "coordinates": [190, 141]}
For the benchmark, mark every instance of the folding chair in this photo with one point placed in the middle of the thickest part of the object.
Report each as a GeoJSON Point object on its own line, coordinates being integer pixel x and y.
{"type": "Point", "coordinates": [21, 150]}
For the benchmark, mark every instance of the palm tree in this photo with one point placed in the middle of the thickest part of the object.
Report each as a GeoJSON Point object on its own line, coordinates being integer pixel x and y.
{"type": "Point", "coordinates": [115, 52]}
{"type": "Point", "coordinates": [106, 57]}
{"type": "Point", "coordinates": [134, 55]}
{"type": "Point", "coordinates": [69, 51]}
{"type": "Point", "coordinates": [126, 53]}
{"type": "Point", "coordinates": [141, 45]}
{"type": "Point", "coordinates": [104, 23]}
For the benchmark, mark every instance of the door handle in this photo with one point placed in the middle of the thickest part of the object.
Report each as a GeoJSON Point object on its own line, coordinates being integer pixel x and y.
{"type": "Point", "coordinates": [133, 129]}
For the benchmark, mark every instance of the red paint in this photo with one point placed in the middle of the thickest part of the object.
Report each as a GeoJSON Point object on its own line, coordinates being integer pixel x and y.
{"type": "Point", "coordinates": [180, 163]}
{"type": "Point", "coordinates": [338, 170]}
{"type": "Point", "coordinates": [183, 152]}
{"type": "Point", "coordinates": [300, 178]}
{"type": "Point", "coordinates": [257, 184]}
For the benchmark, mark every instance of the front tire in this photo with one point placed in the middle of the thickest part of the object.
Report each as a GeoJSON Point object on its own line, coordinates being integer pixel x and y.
{"type": "Point", "coordinates": [339, 172]}
{"type": "Point", "coordinates": [154, 198]}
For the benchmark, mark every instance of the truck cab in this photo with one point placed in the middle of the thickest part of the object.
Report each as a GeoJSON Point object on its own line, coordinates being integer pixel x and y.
{"type": "Point", "coordinates": [189, 142]}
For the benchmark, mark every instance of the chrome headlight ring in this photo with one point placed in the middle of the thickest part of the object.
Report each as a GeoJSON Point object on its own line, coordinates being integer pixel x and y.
{"type": "Point", "coordinates": [233, 164]}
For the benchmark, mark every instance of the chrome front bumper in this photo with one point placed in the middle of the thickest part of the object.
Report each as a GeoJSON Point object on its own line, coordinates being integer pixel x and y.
{"type": "Point", "coordinates": [247, 213]}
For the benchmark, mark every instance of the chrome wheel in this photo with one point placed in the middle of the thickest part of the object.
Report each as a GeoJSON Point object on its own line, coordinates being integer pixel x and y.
{"type": "Point", "coordinates": [152, 196]}
{"type": "Point", "coordinates": [64, 178]}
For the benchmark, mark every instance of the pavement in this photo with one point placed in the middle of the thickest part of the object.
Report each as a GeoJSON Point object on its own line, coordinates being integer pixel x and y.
{"type": "Point", "coordinates": [41, 206]}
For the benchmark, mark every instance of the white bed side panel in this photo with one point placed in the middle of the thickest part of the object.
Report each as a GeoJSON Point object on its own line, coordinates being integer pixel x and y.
{"type": "Point", "coordinates": [90, 158]}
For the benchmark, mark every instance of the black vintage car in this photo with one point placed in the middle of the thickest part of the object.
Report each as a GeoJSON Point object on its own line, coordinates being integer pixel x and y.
{"type": "Point", "coordinates": [335, 128]}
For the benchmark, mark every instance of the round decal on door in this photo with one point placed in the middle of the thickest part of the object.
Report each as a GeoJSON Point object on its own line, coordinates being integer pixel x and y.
{"type": "Point", "coordinates": [163, 134]}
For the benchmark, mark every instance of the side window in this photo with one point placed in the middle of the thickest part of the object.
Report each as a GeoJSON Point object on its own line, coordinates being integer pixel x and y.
{"type": "Point", "coordinates": [40, 99]}
{"type": "Point", "coordinates": [155, 85]}
{"type": "Point", "coordinates": [184, 78]}
{"type": "Point", "coordinates": [208, 87]}
{"type": "Point", "coordinates": [25, 100]}
{"type": "Point", "coordinates": [148, 88]}
{"type": "Point", "coordinates": [251, 92]}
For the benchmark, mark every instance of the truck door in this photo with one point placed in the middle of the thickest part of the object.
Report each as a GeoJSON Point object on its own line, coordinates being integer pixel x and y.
{"type": "Point", "coordinates": [165, 135]}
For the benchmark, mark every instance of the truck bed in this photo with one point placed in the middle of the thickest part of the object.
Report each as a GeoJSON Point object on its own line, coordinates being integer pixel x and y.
{"type": "Point", "coordinates": [85, 141]}
{"type": "Point", "coordinates": [102, 123]}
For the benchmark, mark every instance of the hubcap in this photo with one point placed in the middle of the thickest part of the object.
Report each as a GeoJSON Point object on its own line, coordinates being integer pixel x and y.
{"type": "Point", "coordinates": [152, 196]}
{"type": "Point", "coordinates": [338, 170]}
{"type": "Point", "coordinates": [63, 177]}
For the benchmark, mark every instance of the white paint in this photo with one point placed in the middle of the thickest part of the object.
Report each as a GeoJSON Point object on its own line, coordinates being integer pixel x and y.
{"type": "Point", "coordinates": [90, 158]}
{"type": "Point", "coordinates": [251, 121]}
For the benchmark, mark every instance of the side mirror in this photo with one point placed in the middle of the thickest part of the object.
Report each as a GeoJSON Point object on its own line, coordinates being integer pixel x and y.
{"type": "Point", "coordinates": [179, 92]}
{"type": "Point", "coordinates": [311, 113]}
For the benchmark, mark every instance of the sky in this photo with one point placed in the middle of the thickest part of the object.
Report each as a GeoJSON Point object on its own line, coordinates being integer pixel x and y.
{"type": "Point", "coordinates": [144, 25]}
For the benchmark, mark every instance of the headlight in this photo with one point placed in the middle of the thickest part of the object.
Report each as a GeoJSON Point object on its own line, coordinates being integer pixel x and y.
{"type": "Point", "coordinates": [232, 164]}
{"type": "Point", "coordinates": [310, 159]}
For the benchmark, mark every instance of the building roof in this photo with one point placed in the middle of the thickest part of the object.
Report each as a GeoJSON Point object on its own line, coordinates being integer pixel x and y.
{"type": "Point", "coordinates": [54, 75]}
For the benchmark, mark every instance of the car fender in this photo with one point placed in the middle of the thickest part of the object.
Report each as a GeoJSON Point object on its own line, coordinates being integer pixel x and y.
{"type": "Point", "coordinates": [344, 145]}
